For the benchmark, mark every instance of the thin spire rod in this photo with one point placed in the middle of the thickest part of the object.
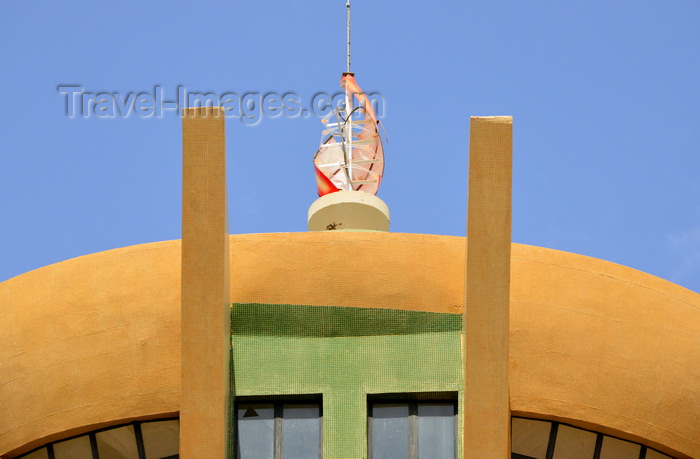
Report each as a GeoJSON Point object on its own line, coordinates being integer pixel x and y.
{"type": "Point", "coordinates": [347, 6]}
{"type": "Point", "coordinates": [348, 110]}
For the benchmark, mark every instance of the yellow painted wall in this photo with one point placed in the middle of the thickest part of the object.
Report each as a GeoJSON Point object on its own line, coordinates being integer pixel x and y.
{"type": "Point", "coordinates": [605, 345]}
{"type": "Point", "coordinates": [95, 340]}
{"type": "Point", "coordinates": [205, 306]}
{"type": "Point", "coordinates": [88, 341]}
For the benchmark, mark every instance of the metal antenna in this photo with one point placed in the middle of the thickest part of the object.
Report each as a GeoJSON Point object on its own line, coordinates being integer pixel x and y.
{"type": "Point", "coordinates": [348, 113]}
{"type": "Point", "coordinates": [347, 6]}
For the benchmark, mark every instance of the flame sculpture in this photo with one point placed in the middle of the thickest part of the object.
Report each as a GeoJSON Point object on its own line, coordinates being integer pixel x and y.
{"type": "Point", "coordinates": [351, 156]}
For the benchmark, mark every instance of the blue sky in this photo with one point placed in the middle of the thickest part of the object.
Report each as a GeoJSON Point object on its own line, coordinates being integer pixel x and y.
{"type": "Point", "coordinates": [604, 95]}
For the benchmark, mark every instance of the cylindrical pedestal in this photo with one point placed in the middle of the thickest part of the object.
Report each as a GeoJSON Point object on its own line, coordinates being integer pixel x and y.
{"type": "Point", "coordinates": [349, 210]}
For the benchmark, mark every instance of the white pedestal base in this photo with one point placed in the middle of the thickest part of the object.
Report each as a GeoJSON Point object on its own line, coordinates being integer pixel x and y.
{"type": "Point", "coordinates": [349, 210]}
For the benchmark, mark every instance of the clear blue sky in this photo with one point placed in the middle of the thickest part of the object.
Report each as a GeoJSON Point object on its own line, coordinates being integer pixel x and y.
{"type": "Point", "coordinates": [605, 97]}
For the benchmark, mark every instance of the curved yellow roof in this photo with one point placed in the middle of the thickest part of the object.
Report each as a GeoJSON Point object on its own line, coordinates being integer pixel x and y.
{"type": "Point", "coordinates": [95, 340]}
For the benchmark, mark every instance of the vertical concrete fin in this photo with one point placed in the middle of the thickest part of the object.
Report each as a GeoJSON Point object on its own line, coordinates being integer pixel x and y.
{"type": "Point", "coordinates": [487, 290]}
{"type": "Point", "coordinates": [205, 308]}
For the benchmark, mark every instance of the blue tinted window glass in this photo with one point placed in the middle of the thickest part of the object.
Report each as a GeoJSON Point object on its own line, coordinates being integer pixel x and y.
{"type": "Point", "coordinates": [256, 431]}
{"type": "Point", "coordinates": [301, 431]}
{"type": "Point", "coordinates": [390, 431]}
{"type": "Point", "coordinates": [436, 431]}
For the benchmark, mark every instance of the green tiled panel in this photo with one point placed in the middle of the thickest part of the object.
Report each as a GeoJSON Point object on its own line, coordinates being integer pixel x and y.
{"type": "Point", "coordinates": [344, 354]}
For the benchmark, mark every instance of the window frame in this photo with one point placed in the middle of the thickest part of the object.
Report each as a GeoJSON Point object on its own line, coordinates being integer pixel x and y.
{"type": "Point", "coordinates": [92, 437]}
{"type": "Point", "coordinates": [554, 429]}
{"type": "Point", "coordinates": [413, 399]}
{"type": "Point", "coordinates": [277, 401]}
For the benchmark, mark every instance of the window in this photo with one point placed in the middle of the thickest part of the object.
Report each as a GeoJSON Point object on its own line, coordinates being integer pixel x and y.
{"type": "Point", "coordinates": [415, 429]}
{"type": "Point", "coordinates": [278, 429]}
{"type": "Point", "coordinates": [138, 440]}
{"type": "Point", "coordinates": [536, 439]}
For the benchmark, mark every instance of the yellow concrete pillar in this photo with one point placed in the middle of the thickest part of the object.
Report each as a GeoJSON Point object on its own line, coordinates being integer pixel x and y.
{"type": "Point", "coordinates": [205, 309]}
{"type": "Point", "coordinates": [487, 290]}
